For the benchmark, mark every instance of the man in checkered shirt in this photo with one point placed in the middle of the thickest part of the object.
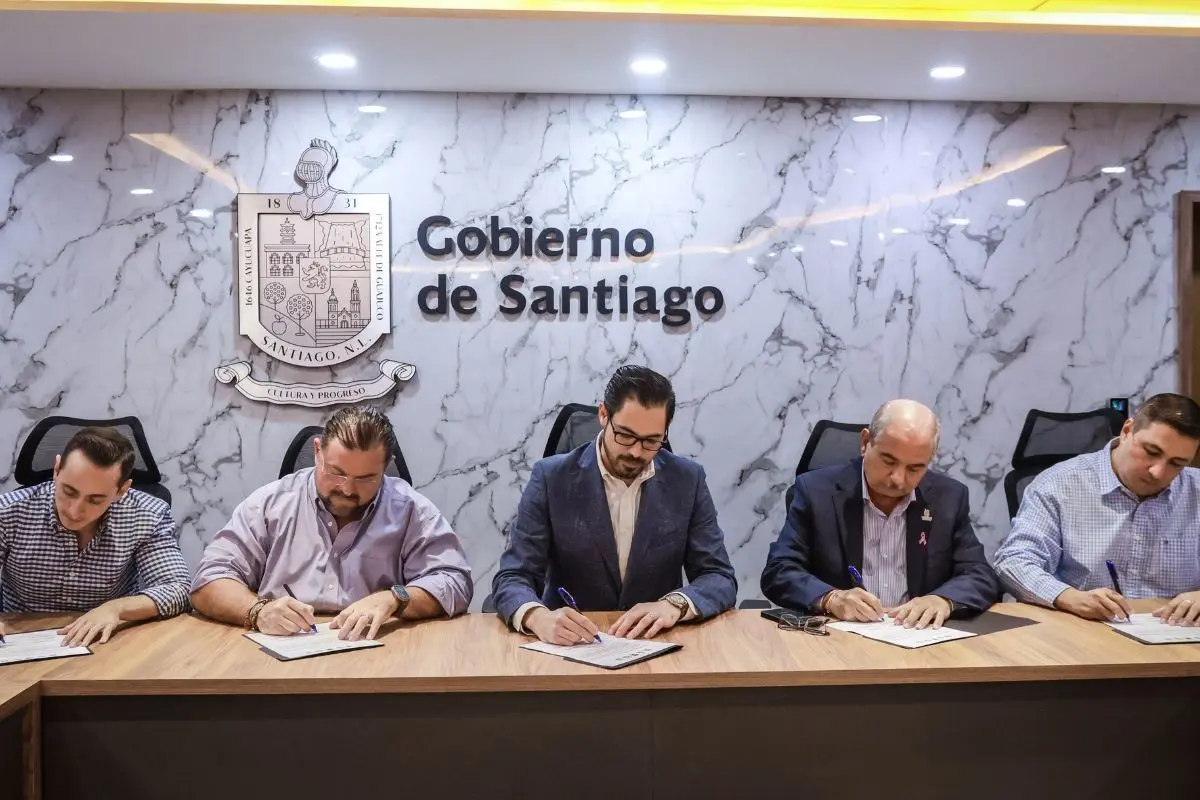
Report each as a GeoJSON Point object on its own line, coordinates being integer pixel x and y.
{"type": "Point", "coordinates": [1135, 503]}
{"type": "Point", "coordinates": [86, 542]}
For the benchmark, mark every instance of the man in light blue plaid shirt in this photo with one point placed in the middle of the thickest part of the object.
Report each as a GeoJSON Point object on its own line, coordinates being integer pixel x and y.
{"type": "Point", "coordinates": [87, 542]}
{"type": "Point", "coordinates": [1135, 503]}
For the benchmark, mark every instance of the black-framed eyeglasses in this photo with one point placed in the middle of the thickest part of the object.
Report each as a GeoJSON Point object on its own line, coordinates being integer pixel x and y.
{"type": "Point", "coordinates": [811, 625]}
{"type": "Point", "coordinates": [650, 444]}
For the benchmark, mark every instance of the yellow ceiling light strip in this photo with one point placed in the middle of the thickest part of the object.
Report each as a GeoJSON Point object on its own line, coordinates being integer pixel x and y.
{"type": "Point", "coordinates": [1179, 16]}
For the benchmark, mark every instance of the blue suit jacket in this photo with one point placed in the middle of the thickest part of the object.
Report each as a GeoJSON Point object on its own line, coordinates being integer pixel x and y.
{"type": "Point", "coordinates": [823, 536]}
{"type": "Point", "coordinates": [563, 536]}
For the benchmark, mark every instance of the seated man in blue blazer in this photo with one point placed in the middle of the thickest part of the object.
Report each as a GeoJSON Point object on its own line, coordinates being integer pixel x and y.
{"type": "Point", "coordinates": [615, 524]}
{"type": "Point", "coordinates": [886, 519]}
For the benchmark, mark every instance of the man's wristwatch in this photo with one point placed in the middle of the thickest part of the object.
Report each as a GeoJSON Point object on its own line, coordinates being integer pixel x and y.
{"type": "Point", "coordinates": [402, 598]}
{"type": "Point", "coordinates": [680, 601]}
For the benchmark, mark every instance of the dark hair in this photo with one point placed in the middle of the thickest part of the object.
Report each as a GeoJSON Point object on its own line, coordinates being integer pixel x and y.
{"type": "Point", "coordinates": [104, 447]}
{"type": "Point", "coordinates": [359, 428]}
{"type": "Point", "coordinates": [642, 384]}
{"type": "Point", "coordinates": [1180, 412]}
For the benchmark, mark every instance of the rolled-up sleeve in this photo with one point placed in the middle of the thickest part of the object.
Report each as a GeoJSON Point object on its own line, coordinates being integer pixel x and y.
{"type": "Point", "coordinates": [433, 559]}
{"type": "Point", "coordinates": [162, 573]}
{"type": "Point", "coordinates": [238, 550]}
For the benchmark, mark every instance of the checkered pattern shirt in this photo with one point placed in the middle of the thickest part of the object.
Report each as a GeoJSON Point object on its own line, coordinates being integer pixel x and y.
{"type": "Point", "coordinates": [135, 551]}
{"type": "Point", "coordinates": [1078, 514]}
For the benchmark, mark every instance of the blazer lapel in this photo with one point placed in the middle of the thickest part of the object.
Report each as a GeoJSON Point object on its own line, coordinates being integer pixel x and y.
{"type": "Point", "coordinates": [918, 525]}
{"type": "Point", "coordinates": [848, 511]}
{"type": "Point", "coordinates": [592, 519]}
{"type": "Point", "coordinates": [647, 527]}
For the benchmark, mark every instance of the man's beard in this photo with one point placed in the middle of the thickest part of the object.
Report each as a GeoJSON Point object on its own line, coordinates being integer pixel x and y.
{"type": "Point", "coordinates": [623, 466]}
{"type": "Point", "coordinates": [346, 506]}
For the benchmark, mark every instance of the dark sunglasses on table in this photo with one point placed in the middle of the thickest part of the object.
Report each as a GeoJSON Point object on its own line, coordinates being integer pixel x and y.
{"type": "Point", "coordinates": [649, 443]}
{"type": "Point", "coordinates": [810, 625]}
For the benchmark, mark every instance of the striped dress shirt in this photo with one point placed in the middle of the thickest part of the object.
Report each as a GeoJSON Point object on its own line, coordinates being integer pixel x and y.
{"type": "Point", "coordinates": [1078, 514]}
{"type": "Point", "coordinates": [885, 550]}
{"type": "Point", "coordinates": [135, 551]}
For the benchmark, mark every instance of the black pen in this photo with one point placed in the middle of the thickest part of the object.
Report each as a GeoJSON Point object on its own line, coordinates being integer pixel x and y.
{"type": "Point", "coordinates": [291, 594]}
{"type": "Point", "coordinates": [1112, 573]}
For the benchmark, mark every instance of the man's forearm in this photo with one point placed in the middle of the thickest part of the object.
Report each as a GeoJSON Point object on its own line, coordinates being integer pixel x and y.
{"type": "Point", "coordinates": [421, 605]}
{"type": "Point", "coordinates": [225, 600]}
{"type": "Point", "coordinates": [135, 608]}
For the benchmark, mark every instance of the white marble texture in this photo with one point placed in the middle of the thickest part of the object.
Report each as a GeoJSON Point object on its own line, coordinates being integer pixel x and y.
{"type": "Point", "coordinates": [115, 304]}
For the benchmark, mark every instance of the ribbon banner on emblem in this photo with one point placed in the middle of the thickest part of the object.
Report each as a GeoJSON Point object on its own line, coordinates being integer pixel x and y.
{"type": "Point", "coordinates": [315, 395]}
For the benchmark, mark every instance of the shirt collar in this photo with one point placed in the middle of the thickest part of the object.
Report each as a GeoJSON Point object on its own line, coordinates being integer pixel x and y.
{"type": "Point", "coordinates": [899, 509]}
{"type": "Point", "coordinates": [645, 475]}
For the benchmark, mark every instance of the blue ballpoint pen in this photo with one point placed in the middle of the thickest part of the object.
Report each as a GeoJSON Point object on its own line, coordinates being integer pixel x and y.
{"type": "Point", "coordinates": [1112, 573]}
{"type": "Point", "coordinates": [856, 578]}
{"type": "Point", "coordinates": [566, 598]}
{"type": "Point", "coordinates": [288, 589]}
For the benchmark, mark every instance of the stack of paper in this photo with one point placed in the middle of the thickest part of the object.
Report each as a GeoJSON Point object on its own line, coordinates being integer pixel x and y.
{"type": "Point", "coordinates": [1149, 629]}
{"type": "Point", "coordinates": [305, 645]}
{"type": "Point", "coordinates": [888, 631]}
{"type": "Point", "coordinates": [36, 646]}
{"type": "Point", "coordinates": [612, 652]}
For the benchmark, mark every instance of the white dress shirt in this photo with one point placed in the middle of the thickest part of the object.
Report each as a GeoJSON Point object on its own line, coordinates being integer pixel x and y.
{"type": "Point", "coordinates": [623, 503]}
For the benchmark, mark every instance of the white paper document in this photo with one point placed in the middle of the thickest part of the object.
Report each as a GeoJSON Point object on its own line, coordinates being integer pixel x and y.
{"type": "Point", "coordinates": [612, 652]}
{"type": "Point", "coordinates": [888, 631]}
{"type": "Point", "coordinates": [36, 646]}
{"type": "Point", "coordinates": [304, 645]}
{"type": "Point", "coordinates": [1149, 629]}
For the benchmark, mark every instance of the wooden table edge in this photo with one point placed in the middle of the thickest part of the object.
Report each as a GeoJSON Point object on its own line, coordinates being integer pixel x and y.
{"type": "Point", "coordinates": [606, 681]}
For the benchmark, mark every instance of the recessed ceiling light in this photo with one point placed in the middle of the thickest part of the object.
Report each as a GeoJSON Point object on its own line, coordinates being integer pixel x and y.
{"type": "Point", "coordinates": [372, 109]}
{"type": "Point", "coordinates": [838, 243]}
{"type": "Point", "coordinates": [959, 221]}
{"type": "Point", "coordinates": [798, 249]}
{"type": "Point", "coordinates": [201, 213]}
{"type": "Point", "coordinates": [63, 158]}
{"type": "Point", "coordinates": [927, 154]}
{"type": "Point", "coordinates": [772, 254]}
{"type": "Point", "coordinates": [141, 191]}
{"type": "Point", "coordinates": [867, 118]}
{"type": "Point", "coordinates": [337, 61]}
{"type": "Point", "coordinates": [899, 231]}
{"type": "Point", "coordinates": [882, 236]}
{"type": "Point", "coordinates": [1105, 170]}
{"type": "Point", "coordinates": [1017, 202]}
{"type": "Point", "coordinates": [632, 113]}
{"type": "Point", "coordinates": [750, 260]}
{"type": "Point", "coordinates": [947, 72]}
{"type": "Point", "coordinates": [648, 66]}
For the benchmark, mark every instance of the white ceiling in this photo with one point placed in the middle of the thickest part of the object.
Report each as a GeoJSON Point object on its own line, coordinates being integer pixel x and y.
{"type": "Point", "coordinates": [168, 50]}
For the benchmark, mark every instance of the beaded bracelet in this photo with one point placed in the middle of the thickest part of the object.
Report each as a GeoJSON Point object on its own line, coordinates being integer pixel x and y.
{"type": "Point", "coordinates": [252, 614]}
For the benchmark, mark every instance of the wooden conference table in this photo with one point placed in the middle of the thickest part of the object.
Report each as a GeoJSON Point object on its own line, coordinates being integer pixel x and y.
{"type": "Point", "coordinates": [454, 709]}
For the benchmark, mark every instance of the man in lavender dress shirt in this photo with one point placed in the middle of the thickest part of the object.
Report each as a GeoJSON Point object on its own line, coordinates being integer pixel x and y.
{"type": "Point", "coordinates": [343, 537]}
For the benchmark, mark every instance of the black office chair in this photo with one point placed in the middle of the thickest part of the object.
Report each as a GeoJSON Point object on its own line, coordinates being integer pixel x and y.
{"type": "Point", "coordinates": [300, 455]}
{"type": "Point", "coordinates": [576, 424]}
{"type": "Point", "coordinates": [1015, 484]}
{"type": "Point", "coordinates": [829, 443]}
{"type": "Point", "coordinates": [35, 462]}
{"type": "Point", "coordinates": [1049, 437]}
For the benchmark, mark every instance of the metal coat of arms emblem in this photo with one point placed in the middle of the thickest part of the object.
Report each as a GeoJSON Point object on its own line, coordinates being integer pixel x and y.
{"type": "Point", "coordinates": [314, 284]}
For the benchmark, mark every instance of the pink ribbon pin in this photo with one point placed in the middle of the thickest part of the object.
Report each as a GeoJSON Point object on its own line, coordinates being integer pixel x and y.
{"type": "Point", "coordinates": [921, 541]}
